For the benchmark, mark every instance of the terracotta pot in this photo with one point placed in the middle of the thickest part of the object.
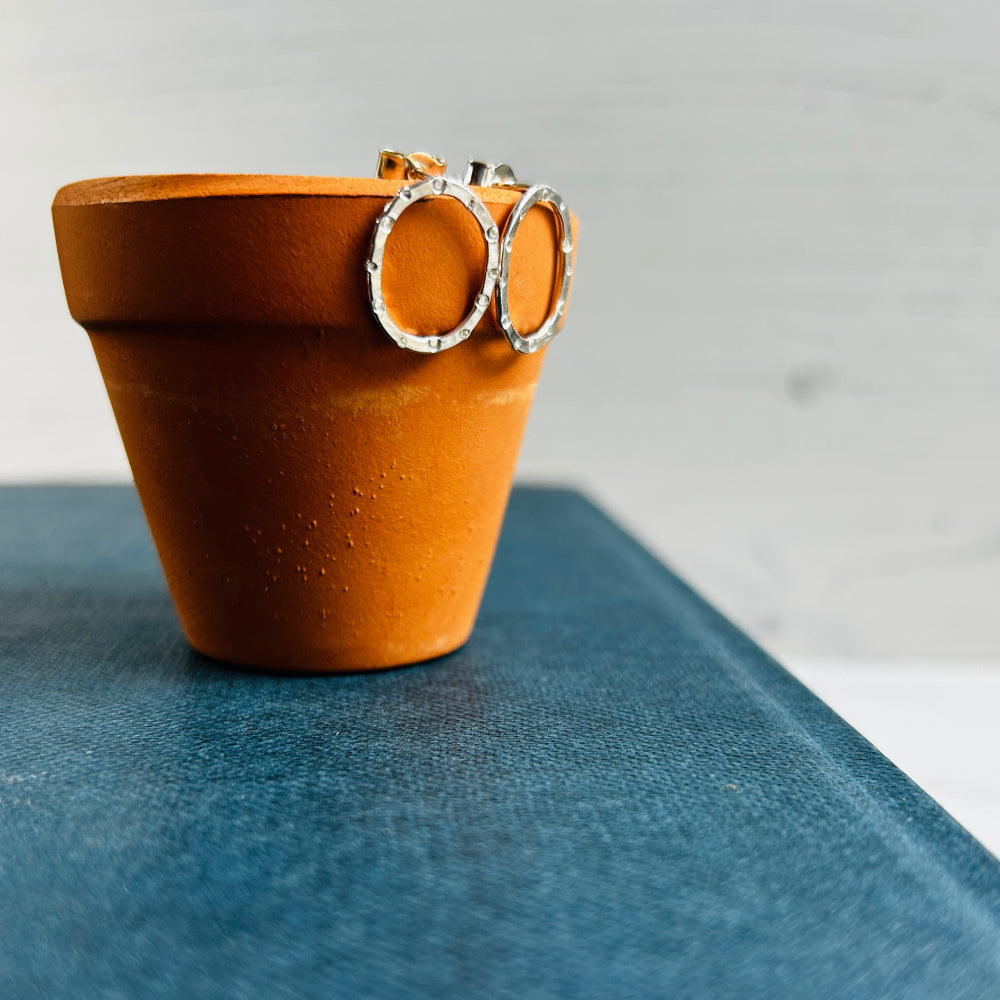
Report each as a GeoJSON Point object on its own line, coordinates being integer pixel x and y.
{"type": "Point", "coordinates": [320, 499]}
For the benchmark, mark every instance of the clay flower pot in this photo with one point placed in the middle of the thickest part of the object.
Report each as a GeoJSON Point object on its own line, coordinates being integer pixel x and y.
{"type": "Point", "coordinates": [320, 499]}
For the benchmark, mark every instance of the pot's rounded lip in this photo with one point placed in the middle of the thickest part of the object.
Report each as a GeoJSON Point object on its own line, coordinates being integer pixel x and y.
{"type": "Point", "coordinates": [168, 187]}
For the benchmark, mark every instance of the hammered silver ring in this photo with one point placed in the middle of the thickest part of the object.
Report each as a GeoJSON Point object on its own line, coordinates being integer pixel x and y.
{"type": "Point", "coordinates": [432, 187]}
{"type": "Point", "coordinates": [540, 193]}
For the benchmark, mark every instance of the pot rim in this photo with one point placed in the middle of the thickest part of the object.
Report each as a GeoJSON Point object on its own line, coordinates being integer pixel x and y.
{"type": "Point", "coordinates": [171, 187]}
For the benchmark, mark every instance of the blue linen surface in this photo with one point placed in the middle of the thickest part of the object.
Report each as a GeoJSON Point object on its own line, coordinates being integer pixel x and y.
{"type": "Point", "coordinates": [609, 792]}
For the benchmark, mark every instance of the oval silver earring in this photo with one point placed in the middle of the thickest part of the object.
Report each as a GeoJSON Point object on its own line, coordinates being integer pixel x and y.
{"type": "Point", "coordinates": [531, 342]}
{"type": "Point", "coordinates": [432, 187]}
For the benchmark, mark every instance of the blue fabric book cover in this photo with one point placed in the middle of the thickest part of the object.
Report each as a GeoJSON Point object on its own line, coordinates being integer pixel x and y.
{"type": "Point", "coordinates": [609, 792]}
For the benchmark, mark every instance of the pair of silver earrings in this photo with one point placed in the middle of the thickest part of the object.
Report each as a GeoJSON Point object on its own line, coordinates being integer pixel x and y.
{"type": "Point", "coordinates": [427, 173]}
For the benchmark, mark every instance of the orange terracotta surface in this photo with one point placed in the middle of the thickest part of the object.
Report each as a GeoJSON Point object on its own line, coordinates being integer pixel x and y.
{"type": "Point", "coordinates": [320, 499]}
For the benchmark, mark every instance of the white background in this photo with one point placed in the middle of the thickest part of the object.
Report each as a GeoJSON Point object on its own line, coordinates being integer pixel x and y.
{"type": "Point", "coordinates": [781, 368]}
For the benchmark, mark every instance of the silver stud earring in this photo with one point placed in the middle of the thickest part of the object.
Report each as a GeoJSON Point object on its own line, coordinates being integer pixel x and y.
{"type": "Point", "coordinates": [428, 185]}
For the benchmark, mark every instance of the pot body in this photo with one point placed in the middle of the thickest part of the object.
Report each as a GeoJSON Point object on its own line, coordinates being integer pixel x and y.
{"type": "Point", "coordinates": [320, 499]}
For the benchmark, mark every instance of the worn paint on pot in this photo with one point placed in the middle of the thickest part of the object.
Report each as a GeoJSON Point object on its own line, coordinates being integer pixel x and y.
{"type": "Point", "coordinates": [320, 499]}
